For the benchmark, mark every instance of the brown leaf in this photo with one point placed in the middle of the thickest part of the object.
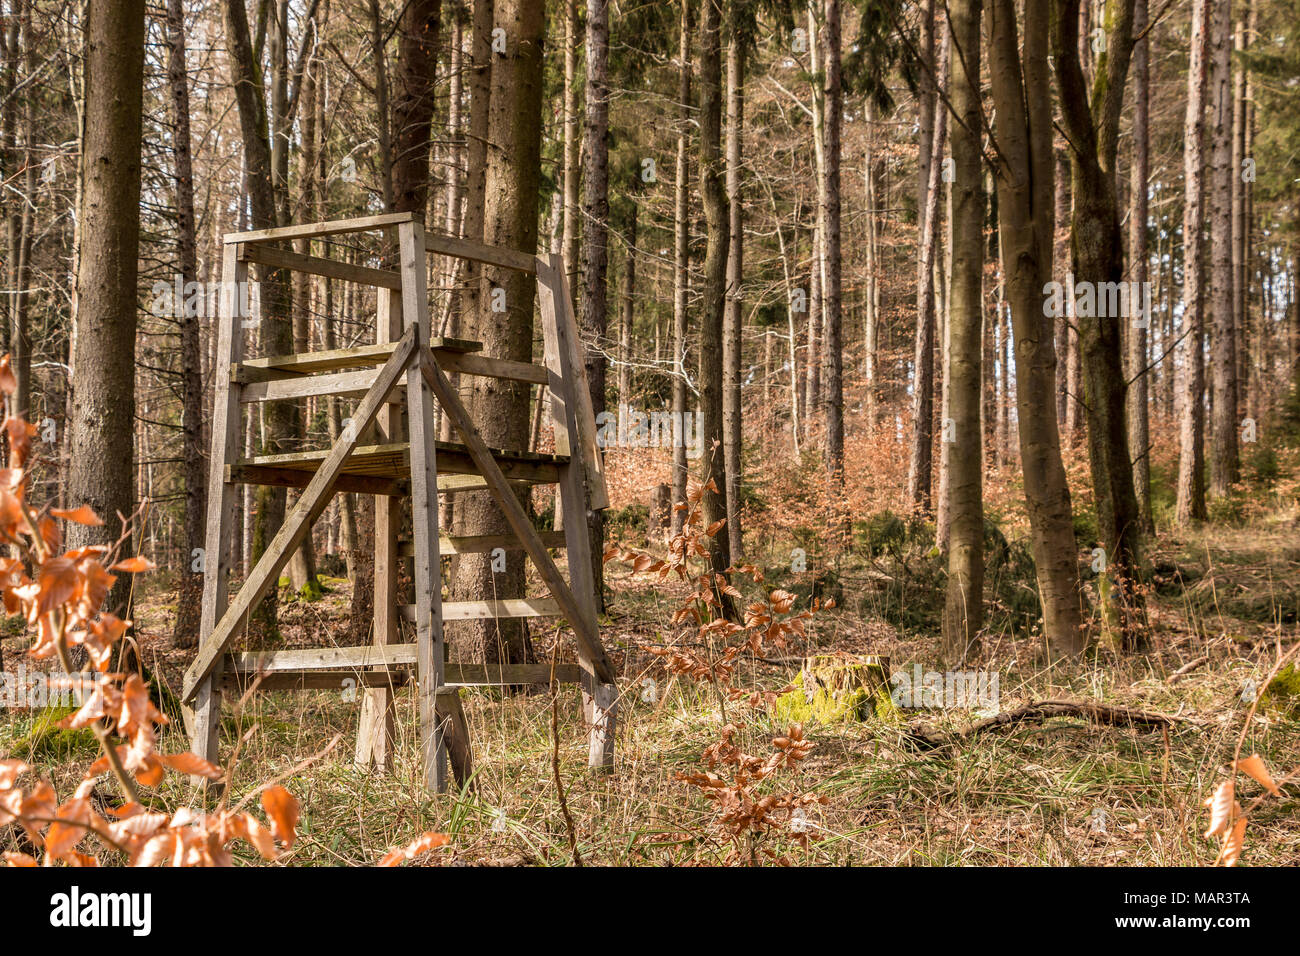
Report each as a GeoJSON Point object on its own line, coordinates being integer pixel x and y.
{"type": "Point", "coordinates": [192, 764]}
{"type": "Point", "coordinates": [134, 565]}
{"type": "Point", "coordinates": [282, 808]}
{"type": "Point", "coordinates": [420, 845]}
{"type": "Point", "coordinates": [83, 515]}
{"type": "Point", "coordinates": [1220, 805]}
{"type": "Point", "coordinates": [1253, 766]}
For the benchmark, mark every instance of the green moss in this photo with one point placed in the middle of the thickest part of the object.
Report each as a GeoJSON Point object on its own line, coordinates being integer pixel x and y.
{"type": "Point", "coordinates": [1283, 692]}
{"type": "Point", "coordinates": [311, 591]}
{"type": "Point", "coordinates": [832, 689]}
{"type": "Point", "coordinates": [46, 739]}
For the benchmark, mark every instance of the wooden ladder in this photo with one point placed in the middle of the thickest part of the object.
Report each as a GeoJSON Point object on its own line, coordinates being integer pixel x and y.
{"type": "Point", "coordinates": [388, 449]}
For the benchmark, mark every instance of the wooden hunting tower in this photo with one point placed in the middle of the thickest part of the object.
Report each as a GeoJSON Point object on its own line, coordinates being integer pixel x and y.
{"type": "Point", "coordinates": [389, 449]}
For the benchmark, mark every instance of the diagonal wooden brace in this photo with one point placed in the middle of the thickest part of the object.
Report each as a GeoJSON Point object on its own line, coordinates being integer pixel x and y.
{"type": "Point", "coordinates": [298, 523]}
{"type": "Point", "coordinates": [519, 522]}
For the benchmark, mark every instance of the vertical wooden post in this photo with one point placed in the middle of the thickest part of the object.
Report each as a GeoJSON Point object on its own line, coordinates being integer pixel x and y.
{"type": "Point", "coordinates": [599, 700]}
{"type": "Point", "coordinates": [203, 720]}
{"type": "Point", "coordinates": [375, 727]}
{"type": "Point", "coordinates": [424, 509]}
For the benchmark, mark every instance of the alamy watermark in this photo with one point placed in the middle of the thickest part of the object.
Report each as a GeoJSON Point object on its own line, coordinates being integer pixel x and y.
{"type": "Point", "coordinates": [633, 428]}
{"type": "Point", "coordinates": [21, 689]}
{"type": "Point", "coordinates": [949, 690]}
{"type": "Point", "coordinates": [1099, 300]}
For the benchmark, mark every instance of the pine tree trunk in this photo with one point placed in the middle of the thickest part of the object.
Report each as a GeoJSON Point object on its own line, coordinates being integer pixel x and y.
{"type": "Point", "coordinates": [1225, 462]}
{"type": "Point", "coordinates": [1139, 378]}
{"type": "Point", "coordinates": [186, 630]}
{"type": "Point", "coordinates": [833, 332]}
{"type": "Point", "coordinates": [681, 258]}
{"type": "Point", "coordinates": [594, 318]}
{"type": "Point", "coordinates": [101, 470]}
{"type": "Point", "coordinates": [964, 606]}
{"type": "Point", "coordinates": [733, 317]}
{"type": "Point", "coordinates": [1191, 456]}
{"type": "Point", "coordinates": [717, 233]}
{"type": "Point", "coordinates": [500, 409]}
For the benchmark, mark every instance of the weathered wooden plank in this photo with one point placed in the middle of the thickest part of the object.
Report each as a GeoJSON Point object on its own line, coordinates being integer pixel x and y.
{"type": "Point", "coordinates": [278, 258]}
{"type": "Point", "coordinates": [204, 719]}
{"type": "Point", "coordinates": [376, 725]}
{"type": "Point", "coordinates": [492, 367]}
{"type": "Point", "coordinates": [517, 518]}
{"type": "Point", "coordinates": [373, 666]}
{"type": "Point", "coordinates": [495, 607]}
{"type": "Point", "coordinates": [300, 478]}
{"type": "Point", "coordinates": [329, 360]}
{"type": "Point", "coordinates": [454, 730]}
{"type": "Point", "coordinates": [339, 384]}
{"type": "Point", "coordinates": [311, 230]}
{"type": "Point", "coordinates": [484, 543]}
{"type": "Point", "coordinates": [297, 523]}
{"type": "Point", "coordinates": [427, 578]}
{"type": "Point", "coordinates": [444, 245]}
{"type": "Point", "coordinates": [584, 418]}
{"type": "Point", "coordinates": [392, 460]}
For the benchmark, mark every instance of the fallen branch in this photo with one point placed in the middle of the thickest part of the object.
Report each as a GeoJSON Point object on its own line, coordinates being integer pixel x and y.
{"type": "Point", "coordinates": [1039, 712]}
{"type": "Point", "coordinates": [1187, 668]}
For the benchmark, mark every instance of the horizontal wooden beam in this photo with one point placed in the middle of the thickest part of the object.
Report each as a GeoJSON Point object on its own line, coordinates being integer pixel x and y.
{"type": "Point", "coordinates": [333, 664]}
{"type": "Point", "coordinates": [444, 245]}
{"type": "Point", "coordinates": [492, 367]}
{"type": "Point", "coordinates": [482, 610]}
{"type": "Point", "coordinates": [351, 384]}
{"type": "Point", "coordinates": [330, 360]}
{"type": "Point", "coordinates": [312, 230]}
{"type": "Point", "coordinates": [344, 484]}
{"type": "Point", "coordinates": [278, 258]}
{"type": "Point", "coordinates": [483, 543]}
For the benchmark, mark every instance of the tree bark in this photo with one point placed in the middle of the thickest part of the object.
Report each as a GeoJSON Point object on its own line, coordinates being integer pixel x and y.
{"type": "Point", "coordinates": [1225, 460]}
{"type": "Point", "coordinates": [594, 318]}
{"type": "Point", "coordinates": [1139, 378]}
{"type": "Point", "coordinates": [717, 233]}
{"type": "Point", "coordinates": [1191, 430]}
{"type": "Point", "coordinates": [1025, 169]}
{"type": "Point", "coordinates": [733, 318]}
{"type": "Point", "coordinates": [681, 259]}
{"type": "Point", "coordinates": [964, 604]}
{"type": "Point", "coordinates": [829, 200]}
{"type": "Point", "coordinates": [101, 470]}
{"type": "Point", "coordinates": [185, 632]}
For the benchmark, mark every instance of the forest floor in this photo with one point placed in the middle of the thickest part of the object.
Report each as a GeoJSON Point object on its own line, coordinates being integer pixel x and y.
{"type": "Point", "coordinates": [1223, 605]}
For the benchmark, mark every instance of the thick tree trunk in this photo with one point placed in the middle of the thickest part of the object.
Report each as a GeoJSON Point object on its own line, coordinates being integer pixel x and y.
{"type": "Point", "coordinates": [964, 606]}
{"type": "Point", "coordinates": [572, 123]}
{"type": "Point", "coordinates": [1225, 460]}
{"type": "Point", "coordinates": [1191, 429]}
{"type": "Point", "coordinates": [500, 409]}
{"type": "Point", "coordinates": [101, 471]}
{"type": "Point", "coordinates": [717, 231]}
{"type": "Point", "coordinates": [1025, 196]}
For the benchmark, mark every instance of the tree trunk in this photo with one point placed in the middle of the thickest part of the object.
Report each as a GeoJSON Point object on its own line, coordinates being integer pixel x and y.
{"type": "Point", "coordinates": [733, 318]}
{"type": "Point", "coordinates": [919, 467]}
{"type": "Point", "coordinates": [594, 318]}
{"type": "Point", "coordinates": [1139, 378]}
{"type": "Point", "coordinates": [628, 311]}
{"type": "Point", "coordinates": [101, 471]}
{"type": "Point", "coordinates": [500, 409]}
{"type": "Point", "coordinates": [681, 258]}
{"type": "Point", "coordinates": [186, 630]}
{"type": "Point", "coordinates": [964, 606]}
{"type": "Point", "coordinates": [829, 201]}
{"type": "Point", "coordinates": [1191, 456]}
{"type": "Point", "coordinates": [572, 173]}
{"type": "Point", "coordinates": [717, 233]}
{"type": "Point", "coordinates": [1022, 98]}
{"type": "Point", "coordinates": [1092, 126]}
{"type": "Point", "coordinates": [1225, 461]}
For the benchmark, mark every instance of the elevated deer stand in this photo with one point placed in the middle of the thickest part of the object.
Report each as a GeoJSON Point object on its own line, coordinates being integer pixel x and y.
{"type": "Point", "coordinates": [389, 449]}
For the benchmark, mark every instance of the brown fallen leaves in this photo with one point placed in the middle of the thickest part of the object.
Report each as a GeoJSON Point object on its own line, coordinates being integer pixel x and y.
{"type": "Point", "coordinates": [1227, 817]}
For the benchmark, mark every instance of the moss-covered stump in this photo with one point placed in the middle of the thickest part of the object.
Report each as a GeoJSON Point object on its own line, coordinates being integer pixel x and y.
{"type": "Point", "coordinates": [1282, 694]}
{"type": "Point", "coordinates": [838, 688]}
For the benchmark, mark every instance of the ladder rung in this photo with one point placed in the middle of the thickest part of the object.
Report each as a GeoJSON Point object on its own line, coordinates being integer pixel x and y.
{"type": "Point", "coordinates": [482, 610]}
{"type": "Point", "coordinates": [328, 667]}
{"type": "Point", "coordinates": [483, 543]}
